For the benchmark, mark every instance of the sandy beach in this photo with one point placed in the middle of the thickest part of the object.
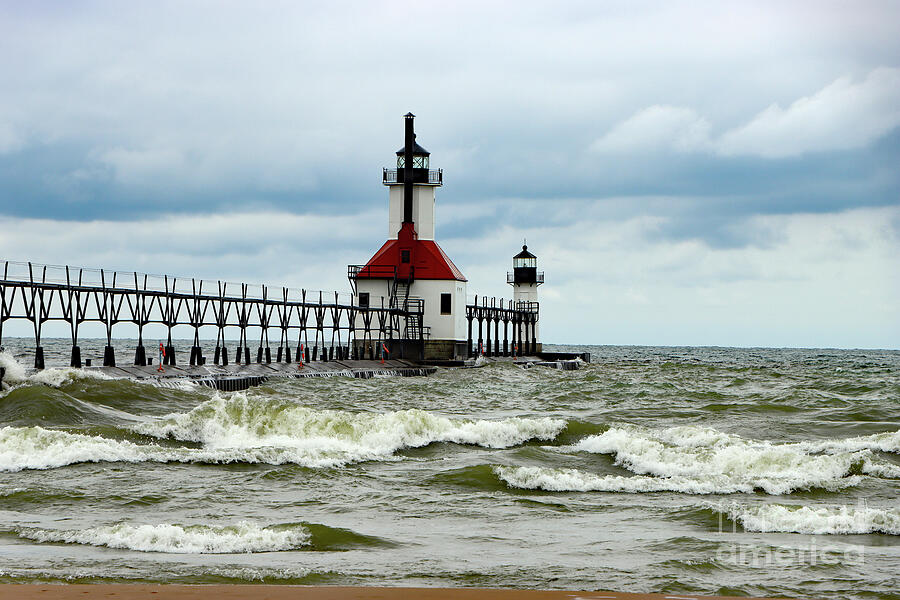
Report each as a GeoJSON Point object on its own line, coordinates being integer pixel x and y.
{"type": "Point", "coordinates": [285, 592]}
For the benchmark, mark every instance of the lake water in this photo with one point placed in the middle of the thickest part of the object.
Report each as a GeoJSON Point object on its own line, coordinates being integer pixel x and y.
{"type": "Point", "coordinates": [678, 470]}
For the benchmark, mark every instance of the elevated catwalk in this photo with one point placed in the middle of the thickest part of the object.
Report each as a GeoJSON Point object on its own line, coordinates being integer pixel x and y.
{"type": "Point", "coordinates": [308, 326]}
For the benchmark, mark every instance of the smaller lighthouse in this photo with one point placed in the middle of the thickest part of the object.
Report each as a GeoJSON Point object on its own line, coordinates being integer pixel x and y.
{"type": "Point", "coordinates": [525, 280]}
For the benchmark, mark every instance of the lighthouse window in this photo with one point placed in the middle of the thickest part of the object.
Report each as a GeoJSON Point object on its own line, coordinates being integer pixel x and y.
{"type": "Point", "coordinates": [404, 256]}
{"type": "Point", "coordinates": [419, 162]}
{"type": "Point", "coordinates": [445, 304]}
{"type": "Point", "coordinates": [518, 263]}
{"type": "Point", "coordinates": [364, 299]}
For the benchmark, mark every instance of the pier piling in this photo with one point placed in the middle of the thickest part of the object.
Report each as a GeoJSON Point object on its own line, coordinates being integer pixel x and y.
{"type": "Point", "coordinates": [109, 357]}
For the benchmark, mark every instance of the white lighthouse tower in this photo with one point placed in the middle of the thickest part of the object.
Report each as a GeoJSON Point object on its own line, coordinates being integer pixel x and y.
{"type": "Point", "coordinates": [525, 280]}
{"type": "Point", "coordinates": [410, 274]}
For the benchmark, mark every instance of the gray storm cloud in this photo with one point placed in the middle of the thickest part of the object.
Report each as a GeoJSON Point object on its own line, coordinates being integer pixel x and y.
{"type": "Point", "coordinates": [672, 164]}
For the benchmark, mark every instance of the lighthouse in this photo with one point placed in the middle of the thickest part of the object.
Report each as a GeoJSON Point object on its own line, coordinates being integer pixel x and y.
{"type": "Point", "coordinates": [524, 277]}
{"type": "Point", "coordinates": [410, 274]}
{"type": "Point", "coordinates": [525, 280]}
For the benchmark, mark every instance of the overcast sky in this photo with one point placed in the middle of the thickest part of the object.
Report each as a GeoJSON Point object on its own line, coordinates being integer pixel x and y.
{"type": "Point", "coordinates": [698, 173]}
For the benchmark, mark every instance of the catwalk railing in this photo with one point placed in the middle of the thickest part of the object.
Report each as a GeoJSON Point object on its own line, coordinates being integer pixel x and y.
{"type": "Point", "coordinates": [520, 331]}
{"type": "Point", "coordinates": [317, 325]}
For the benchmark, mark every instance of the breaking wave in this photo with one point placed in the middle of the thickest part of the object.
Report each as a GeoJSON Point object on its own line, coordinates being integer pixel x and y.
{"type": "Point", "coordinates": [258, 430]}
{"type": "Point", "coordinates": [574, 480]}
{"type": "Point", "coordinates": [692, 457]}
{"type": "Point", "coordinates": [39, 448]}
{"type": "Point", "coordinates": [193, 539]}
{"type": "Point", "coordinates": [16, 374]}
{"type": "Point", "coordinates": [242, 421]}
{"type": "Point", "coordinates": [816, 520]}
{"type": "Point", "coordinates": [882, 442]}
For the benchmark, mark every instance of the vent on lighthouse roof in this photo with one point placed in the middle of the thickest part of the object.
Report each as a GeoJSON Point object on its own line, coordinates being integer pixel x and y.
{"type": "Point", "coordinates": [524, 253]}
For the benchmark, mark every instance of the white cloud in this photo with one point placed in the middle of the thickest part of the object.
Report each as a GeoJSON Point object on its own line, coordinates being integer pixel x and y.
{"type": "Point", "coordinates": [843, 115]}
{"type": "Point", "coordinates": [143, 167]}
{"type": "Point", "coordinates": [277, 248]}
{"type": "Point", "coordinates": [657, 128]}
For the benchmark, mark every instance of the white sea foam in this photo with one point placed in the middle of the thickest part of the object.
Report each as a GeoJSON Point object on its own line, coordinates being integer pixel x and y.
{"type": "Point", "coordinates": [39, 448]}
{"type": "Point", "coordinates": [879, 468]}
{"type": "Point", "coordinates": [837, 520]}
{"type": "Point", "coordinates": [15, 372]}
{"type": "Point", "coordinates": [573, 480]}
{"type": "Point", "coordinates": [242, 421]}
{"type": "Point", "coordinates": [258, 430]}
{"type": "Point", "coordinates": [705, 454]}
{"type": "Point", "coordinates": [17, 375]}
{"type": "Point", "coordinates": [60, 376]}
{"type": "Point", "coordinates": [184, 385]}
{"type": "Point", "coordinates": [883, 442]}
{"type": "Point", "coordinates": [194, 539]}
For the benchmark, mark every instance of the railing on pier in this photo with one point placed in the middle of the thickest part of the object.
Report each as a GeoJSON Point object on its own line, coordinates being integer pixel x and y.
{"type": "Point", "coordinates": [519, 319]}
{"type": "Point", "coordinates": [319, 326]}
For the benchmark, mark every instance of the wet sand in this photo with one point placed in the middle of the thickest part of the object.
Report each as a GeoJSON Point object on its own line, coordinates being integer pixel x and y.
{"type": "Point", "coordinates": [287, 592]}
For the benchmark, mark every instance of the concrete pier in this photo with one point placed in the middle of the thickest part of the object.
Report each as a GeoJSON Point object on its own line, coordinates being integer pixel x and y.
{"type": "Point", "coordinates": [241, 377]}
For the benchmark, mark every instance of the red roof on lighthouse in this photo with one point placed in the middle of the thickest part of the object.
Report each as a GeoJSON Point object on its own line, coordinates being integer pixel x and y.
{"type": "Point", "coordinates": [428, 261]}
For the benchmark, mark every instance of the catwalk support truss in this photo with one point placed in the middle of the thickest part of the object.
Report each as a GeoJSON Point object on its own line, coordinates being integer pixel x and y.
{"type": "Point", "coordinates": [307, 325]}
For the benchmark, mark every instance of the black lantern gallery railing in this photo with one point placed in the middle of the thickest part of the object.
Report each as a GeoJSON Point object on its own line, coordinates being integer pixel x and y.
{"type": "Point", "coordinates": [512, 277]}
{"type": "Point", "coordinates": [432, 177]}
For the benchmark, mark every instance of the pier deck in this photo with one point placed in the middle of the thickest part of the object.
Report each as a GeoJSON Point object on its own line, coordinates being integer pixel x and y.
{"type": "Point", "coordinates": [241, 377]}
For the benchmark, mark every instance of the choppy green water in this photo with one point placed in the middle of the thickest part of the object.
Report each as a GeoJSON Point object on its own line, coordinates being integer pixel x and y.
{"type": "Point", "coordinates": [686, 470]}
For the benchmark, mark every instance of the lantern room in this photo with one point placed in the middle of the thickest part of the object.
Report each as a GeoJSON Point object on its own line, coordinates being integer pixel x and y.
{"type": "Point", "coordinates": [525, 269]}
